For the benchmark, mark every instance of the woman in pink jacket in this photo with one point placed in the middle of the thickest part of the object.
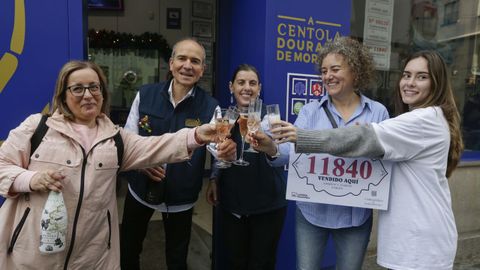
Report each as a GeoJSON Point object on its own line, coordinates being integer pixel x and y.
{"type": "Point", "coordinates": [78, 156]}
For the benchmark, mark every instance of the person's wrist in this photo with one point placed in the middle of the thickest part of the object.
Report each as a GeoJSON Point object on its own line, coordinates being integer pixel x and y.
{"type": "Point", "coordinates": [275, 153]}
{"type": "Point", "coordinates": [197, 138]}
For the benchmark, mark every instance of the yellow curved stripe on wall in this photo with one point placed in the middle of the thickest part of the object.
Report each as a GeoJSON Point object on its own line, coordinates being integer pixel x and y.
{"type": "Point", "coordinates": [46, 109]}
{"type": "Point", "coordinates": [18, 35]}
{"type": "Point", "coordinates": [9, 62]}
{"type": "Point", "coordinates": [8, 65]}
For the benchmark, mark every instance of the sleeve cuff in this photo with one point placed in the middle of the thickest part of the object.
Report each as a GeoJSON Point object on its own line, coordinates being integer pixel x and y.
{"type": "Point", "coordinates": [191, 140]}
{"type": "Point", "coordinates": [22, 182]}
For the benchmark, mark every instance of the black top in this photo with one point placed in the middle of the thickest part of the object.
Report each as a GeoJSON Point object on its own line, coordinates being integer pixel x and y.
{"type": "Point", "coordinates": [252, 189]}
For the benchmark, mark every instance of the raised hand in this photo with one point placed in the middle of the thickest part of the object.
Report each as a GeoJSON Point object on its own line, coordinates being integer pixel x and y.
{"type": "Point", "coordinates": [206, 133]}
{"type": "Point", "coordinates": [263, 143]}
{"type": "Point", "coordinates": [284, 132]}
{"type": "Point", "coordinates": [227, 150]}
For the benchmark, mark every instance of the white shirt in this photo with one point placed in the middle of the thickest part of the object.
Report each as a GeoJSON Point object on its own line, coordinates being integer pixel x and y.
{"type": "Point", "coordinates": [418, 231]}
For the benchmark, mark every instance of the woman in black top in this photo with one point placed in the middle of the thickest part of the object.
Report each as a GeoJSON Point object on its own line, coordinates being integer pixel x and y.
{"type": "Point", "coordinates": [250, 200]}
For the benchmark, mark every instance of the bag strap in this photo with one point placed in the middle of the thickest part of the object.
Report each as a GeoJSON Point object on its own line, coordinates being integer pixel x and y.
{"type": "Point", "coordinates": [42, 129]}
{"type": "Point", "coordinates": [39, 133]}
{"type": "Point", "coordinates": [119, 144]}
{"type": "Point", "coordinates": [329, 115]}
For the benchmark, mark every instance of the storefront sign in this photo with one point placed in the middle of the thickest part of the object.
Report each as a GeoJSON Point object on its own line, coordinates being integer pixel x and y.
{"type": "Point", "coordinates": [322, 178]}
{"type": "Point", "coordinates": [377, 34]}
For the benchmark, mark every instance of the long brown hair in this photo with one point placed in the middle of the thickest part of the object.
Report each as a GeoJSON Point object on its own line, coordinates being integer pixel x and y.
{"type": "Point", "coordinates": [61, 87]}
{"type": "Point", "coordinates": [441, 94]}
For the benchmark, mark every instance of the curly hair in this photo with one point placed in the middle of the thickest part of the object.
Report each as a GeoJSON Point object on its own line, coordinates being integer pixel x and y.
{"type": "Point", "coordinates": [357, 57]}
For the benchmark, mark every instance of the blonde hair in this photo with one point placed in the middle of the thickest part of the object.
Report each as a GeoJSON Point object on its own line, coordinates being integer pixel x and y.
{"type": "Point", "coordinates": [61, 87]}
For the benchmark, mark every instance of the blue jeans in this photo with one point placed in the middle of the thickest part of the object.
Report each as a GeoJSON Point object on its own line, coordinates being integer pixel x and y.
{"type": "Point", "coordinates": [350, 244]}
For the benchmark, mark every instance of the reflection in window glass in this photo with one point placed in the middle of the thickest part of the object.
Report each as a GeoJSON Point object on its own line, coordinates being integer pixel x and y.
{"type": "Point", "coordinates": [450, 28]}
{"type": "Point", "coordinates": [451, 12]}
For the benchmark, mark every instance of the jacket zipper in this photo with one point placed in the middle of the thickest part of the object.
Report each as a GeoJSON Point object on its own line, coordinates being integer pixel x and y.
{"type": "Point", "coordinates": [77, 211]}
{"type": "Point", "coordinates": [79, 204]}
{"type": "Point", "coordinates": [109, 219]}
{"type": "Point", "coordinates": [17, 230]}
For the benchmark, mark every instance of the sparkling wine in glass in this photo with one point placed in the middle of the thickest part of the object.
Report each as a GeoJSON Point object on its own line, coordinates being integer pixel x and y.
{"type": "Point", "coordinates": [273, 114]}
{"type": "Point", "coordinates": [242, 123]}
{"type": "Point", "coordinates": [254, 116]}
{"type": "Point", "coordinates": [222, 126]}
{"type": "Point", "coordinates": [253, 124]}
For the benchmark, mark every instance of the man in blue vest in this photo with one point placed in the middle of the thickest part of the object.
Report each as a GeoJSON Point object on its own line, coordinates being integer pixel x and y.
{"type": "Point", "coordinates": [157, 109]}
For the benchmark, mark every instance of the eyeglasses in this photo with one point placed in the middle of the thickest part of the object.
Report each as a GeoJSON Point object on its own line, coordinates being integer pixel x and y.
{"type": "Point", "coordinates": [79, 90]}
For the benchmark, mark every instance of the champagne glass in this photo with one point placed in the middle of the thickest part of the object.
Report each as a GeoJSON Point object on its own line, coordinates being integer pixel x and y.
{"type": "Point", "coordinates": [242, 123]}
{"type": "Point", "coordinates": [273, 114]}
{"type": "Point", "coordinates": [232, 115]}
{"type": "Point", "coordinates": [222, 126]}
{"type": "Point", "coordinates": [254, 119]}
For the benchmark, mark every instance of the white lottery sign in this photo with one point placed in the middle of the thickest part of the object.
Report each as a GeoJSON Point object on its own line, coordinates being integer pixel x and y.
{"type": "Point", "coordinates": [322, 178]}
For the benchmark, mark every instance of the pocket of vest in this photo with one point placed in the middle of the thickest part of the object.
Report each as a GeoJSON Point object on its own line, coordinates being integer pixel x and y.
{"type": "Point", "coordinates": [17, 230]}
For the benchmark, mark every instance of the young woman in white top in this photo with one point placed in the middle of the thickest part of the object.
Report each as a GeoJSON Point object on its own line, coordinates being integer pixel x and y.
{"type": "Point", "coordinates": [418, 230]}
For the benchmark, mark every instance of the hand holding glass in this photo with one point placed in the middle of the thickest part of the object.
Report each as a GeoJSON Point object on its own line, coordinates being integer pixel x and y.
{"type": "Point", "coordinates": [224, 121]}
{"type": "Point", "coordinates": [242, 123]}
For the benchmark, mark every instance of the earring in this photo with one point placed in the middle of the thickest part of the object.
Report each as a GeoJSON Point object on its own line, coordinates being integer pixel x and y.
{"type": "Point", "coordinates": [231, 97]}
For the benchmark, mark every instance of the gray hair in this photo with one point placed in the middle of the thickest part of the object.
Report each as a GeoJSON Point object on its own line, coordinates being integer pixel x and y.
{"type": "Point", "coordinates": [189, 39]}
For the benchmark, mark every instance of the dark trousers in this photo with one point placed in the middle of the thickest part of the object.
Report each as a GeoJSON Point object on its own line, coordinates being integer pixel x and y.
{"type": "Point", "coordinates": [134, 227]}
{"type": "Point", "coordinates": [251, 242]}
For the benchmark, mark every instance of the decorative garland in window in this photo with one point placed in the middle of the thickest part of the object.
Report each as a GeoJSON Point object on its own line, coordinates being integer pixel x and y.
{"type": "Point", "coordinates": [116, 42]}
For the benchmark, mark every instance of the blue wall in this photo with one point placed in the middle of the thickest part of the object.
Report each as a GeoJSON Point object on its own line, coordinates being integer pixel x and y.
{"type": "Point", "coordinates": [54, 33]}
{"type": "Point", "coordinates": [252, 32]}
{"type": "Point", "coordinates": [241, 39]}
{"type": "Point", "coordinates": [36, 39]}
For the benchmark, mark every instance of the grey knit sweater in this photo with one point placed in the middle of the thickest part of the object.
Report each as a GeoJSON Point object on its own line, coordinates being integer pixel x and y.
{"type": "Point", "coordinates": [351, 141]}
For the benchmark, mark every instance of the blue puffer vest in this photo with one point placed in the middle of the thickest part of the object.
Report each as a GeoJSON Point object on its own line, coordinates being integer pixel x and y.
{"type": "Point", "coordinates": [183, 180]}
